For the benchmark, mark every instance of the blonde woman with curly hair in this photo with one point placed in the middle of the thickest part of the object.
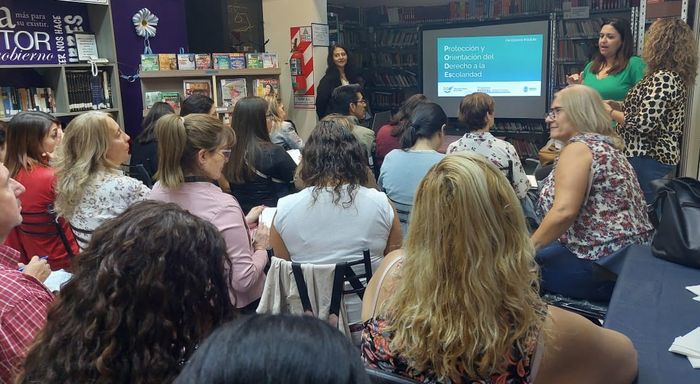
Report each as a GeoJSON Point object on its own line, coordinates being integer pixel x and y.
{"type": "Point", "coordinates": [282, 132]}
{"type": "Point", "coordinates": [591, 203]}
{"type": "Point", "coordinates": [653, 114]}
{"type": "Point", "coordinates": [460, 303]}
{"type": "Point", "coordinates": [90, 186]}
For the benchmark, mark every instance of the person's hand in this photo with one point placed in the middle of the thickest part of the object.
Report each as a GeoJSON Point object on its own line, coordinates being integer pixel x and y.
{"type": "Point", "coordinates": [254, 214]}
{"type": "Point", "coordinates": [37, 268]}
{"type": "Point", "coordinates": [574, 78]}
{"type": "Point", "coordinates": [47, 156]}
{"type": "Point", "coordinates": [608, 108]}
{"type": "Point", "coordinates": [614, 104]}
{"type": "Point", "coordinates": [261, 240]}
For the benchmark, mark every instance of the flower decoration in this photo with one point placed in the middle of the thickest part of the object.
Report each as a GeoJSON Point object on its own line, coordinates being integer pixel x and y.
{"type": "Point", "coordinates": [145, 23]}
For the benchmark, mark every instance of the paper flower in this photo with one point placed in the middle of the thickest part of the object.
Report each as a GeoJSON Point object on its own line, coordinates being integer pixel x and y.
{"type": "Point", "coordinates": [145, 23]}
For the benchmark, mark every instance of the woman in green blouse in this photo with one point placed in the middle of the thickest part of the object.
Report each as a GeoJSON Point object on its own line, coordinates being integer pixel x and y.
{"type": "Point", "coordinates": [613, 70]}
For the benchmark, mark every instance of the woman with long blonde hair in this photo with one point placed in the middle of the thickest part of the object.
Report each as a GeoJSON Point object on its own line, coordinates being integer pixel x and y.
{"type": "Point", "coordinates": [282, 132]}
{"type": "Point", "coordinates": [460, 302]}
{"type": "Point", "coordinates": [90, 186]}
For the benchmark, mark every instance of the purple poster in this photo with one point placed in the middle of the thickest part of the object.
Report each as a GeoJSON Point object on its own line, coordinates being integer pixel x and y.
{"type": "Point", "coordinates": [40, 31]}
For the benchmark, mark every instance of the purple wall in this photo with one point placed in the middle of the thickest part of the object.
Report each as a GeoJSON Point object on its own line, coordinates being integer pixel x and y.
{"type": "Point", "coordinates": [171, 34]}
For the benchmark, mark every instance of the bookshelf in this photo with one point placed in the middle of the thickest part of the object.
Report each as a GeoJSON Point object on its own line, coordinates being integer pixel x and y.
{"type": "Point", "coordinates": [60, 61]}
{"type": "Point", "coordinates": [172, 81]}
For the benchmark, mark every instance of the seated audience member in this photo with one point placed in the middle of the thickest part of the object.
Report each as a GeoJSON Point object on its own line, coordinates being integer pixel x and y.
{"type": "Point", "coordinates": [497, 329]}
{"type": "Point", "coordinates": [23, 299]}
{"type": "Point", "coordinates": [197, 103]}
{"type": "Point", "coordinates": [389, 135]}
{"type": "Point", "coordinates": [90, 185]}
{"type": "Point", "coordinates": [347, 100]}
{"type": "Point", "coordinates": [404, 168]}
{"type": "Point", "coordinates": [192, 153]}
{"type": "Point", "coordinates": [260, 172]}
{"type": "Point", "coordinates": [282, 132]}
{"type": "Point", "coordinates": [591, 203]}
{"type": "Point", "coordinates": [334, 218]}
{"type": "Point", "coordinates": [32, 138]}
{"type": "Point", "coordinates": [144, 150]}
{"type": "Point", "coordinates": [145, 293]}
{"type": "Point", "coordinates": [476, 112]}
{"type": "Point", "coordinates": [275, 349]}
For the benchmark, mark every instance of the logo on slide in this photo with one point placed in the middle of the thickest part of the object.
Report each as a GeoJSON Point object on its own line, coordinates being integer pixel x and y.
{"type": "Point", "coordinates": [447, 89]}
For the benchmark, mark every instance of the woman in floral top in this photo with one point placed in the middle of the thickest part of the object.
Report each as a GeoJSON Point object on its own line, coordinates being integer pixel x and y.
{"type": "Point", "coordinates": [497, 329]}
{"type": "Point", "coordinates": [653, 115]}
{"type": "Point", "coordinates": [591, 202]}
{"type": "Point", "coordinates": [90, 186]}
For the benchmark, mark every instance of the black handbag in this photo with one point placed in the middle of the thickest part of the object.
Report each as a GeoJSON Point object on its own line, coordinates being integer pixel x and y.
{"type": "Point", "coordinates": [675, 212]}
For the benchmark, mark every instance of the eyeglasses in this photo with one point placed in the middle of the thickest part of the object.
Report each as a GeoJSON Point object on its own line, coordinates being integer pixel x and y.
{"type": "Point", "coordinates": [226, 153]}
{"type": "Point", "coordinates": [363, 101]}
{"type": "Point", "coordinates": [553, 113]}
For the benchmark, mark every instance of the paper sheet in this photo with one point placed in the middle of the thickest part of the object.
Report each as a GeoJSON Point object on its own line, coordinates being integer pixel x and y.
{"type": "Point", "coordinates": [56, 279]}
{"type": "Point", "coordinates": [266, 216]}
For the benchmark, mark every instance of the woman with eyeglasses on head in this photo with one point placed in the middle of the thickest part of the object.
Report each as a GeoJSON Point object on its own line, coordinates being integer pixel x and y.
{"type": "Point", "coordinates": [591, 203]}
{"type": "Point", "coordinates": [282, 132]}
{"type": "Point", "coordinates": [146, 291]}
{"type": "Point", "coordinates": [192, 152]}
{"type": "Point", "coordinates": [90, 185]}
{"type": "Point", "coordinates": [460, 302]}
{"type": "Point", "coordinates": [32, 138]}
{"type": "Point", "coordinates": [259, 172]}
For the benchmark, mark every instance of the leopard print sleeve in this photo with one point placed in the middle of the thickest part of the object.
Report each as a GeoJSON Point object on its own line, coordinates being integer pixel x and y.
{"type": "Point", "coordinates": [654, 116]}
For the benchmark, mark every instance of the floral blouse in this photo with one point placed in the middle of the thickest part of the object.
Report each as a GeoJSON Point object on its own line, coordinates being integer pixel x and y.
{"type": "Point", "coordinates": [108, 194]}
{"type": "Point", "coordinates": [377, 353]}
{"type": "Point", "coordinates": [499, 152]}
{"type": "Point", "coordinates": [614, 213]}
{"type": "Point", "coordinates": [654, 117]}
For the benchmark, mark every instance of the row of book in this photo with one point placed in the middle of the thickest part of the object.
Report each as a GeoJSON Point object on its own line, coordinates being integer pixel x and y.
{"type": "Point", "coordinates": [387, 100]}
{"type": "Point", "coordinates": [575, 50]}
{"type": "Point", "coordinates": [15, 100]}
{"type": "Point", "coordinates": [393, 59]}
{"type": "Point", "coordinates": [406, 79]}
{"type": "Point", "coordinates": [229, 91]}
{"type": "Point", "coordinates": [520, 126]}
{"type": "Point", "coordinates": [580, 28]}
{"type": "Point", "coordinates": [190, 61]}
{"type": "Point", "coordinates": [394, 38]}
{"type": "Point", "coordinates": [525, 148]}
{"type": "Point", "coordinates": [87, 92]}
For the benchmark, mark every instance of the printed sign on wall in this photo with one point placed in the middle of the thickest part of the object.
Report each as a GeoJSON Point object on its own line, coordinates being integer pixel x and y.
{"type": "Point", "coordinates": [40, 31]}
{"type": "Point", "coordinates": [302, 67]}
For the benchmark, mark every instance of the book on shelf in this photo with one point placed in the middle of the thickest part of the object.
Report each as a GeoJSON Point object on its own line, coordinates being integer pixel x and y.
{"type": "Point", "coordinates": [185, 61]}
{"type": "Point", "coordinates": [270, 60]}
{"type": "Point", "coordinates": [172, 98]}
{"type": "Point", "coordinates": [167, 61]}
{"type": "Point", "coordinates": [232, 90]}
{"type": "Point", "coordinates": [202, 61]}
{"type": "Point", "coordinates": [236, 60]}
{"type": "Point", "coordinates": [196, 86]}
{"type": "Point", "coordinates": [87, 92]}
{"type": "Point", "coordinates": [152, 97]}
{"type": "Point", "coordinates": [14, 100]}
{"type": "Point", "coordinates": [221, 60]}
{"type": "Point", "coordinates": [266, 87]}
{"type": "Point", "coordinates": [149, 62]}
{"type": "Point", "coordinates": [253, 60]}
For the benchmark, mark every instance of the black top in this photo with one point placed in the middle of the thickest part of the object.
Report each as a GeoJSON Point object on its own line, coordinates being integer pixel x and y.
{"type": "Point", "coordinates": [146, 155]}
{"type": "Point", "coordinates": [277, 169]}
{"type": "Point", "coordinates": [328, 83]}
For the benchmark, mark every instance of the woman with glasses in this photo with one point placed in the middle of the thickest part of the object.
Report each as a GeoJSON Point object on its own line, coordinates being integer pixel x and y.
{"type": "Point", "coordinates": [260, 172]}
{"type": "Point", "coordinates": [90, 185]}
{"type": "Point", "coordinates": [192, 152]}
{"type": "Point", "coordinates": [591, 202]}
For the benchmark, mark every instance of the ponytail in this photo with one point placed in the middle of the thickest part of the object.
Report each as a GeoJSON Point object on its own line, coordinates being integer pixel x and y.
{"type": "Point", "coordinates": [409, 136]}
{"type": "Point", "coordinates": [427, 119]}
{"type": "Point", "coordinates": [172, 141]}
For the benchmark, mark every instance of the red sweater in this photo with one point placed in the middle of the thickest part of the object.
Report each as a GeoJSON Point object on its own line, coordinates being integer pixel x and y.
{"type": "Point", "coordinates": [386, 143]}
{"type": "Point", "coordinates": [39, 194]}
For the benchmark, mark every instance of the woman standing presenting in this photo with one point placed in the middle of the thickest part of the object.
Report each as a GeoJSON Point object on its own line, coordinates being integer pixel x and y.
{"type": "Point", "coordinates": [339, 72]}
{"type": "Point", "coordinates": [613, 70]}
{"type": "Point", "coordinates": [653, 115]}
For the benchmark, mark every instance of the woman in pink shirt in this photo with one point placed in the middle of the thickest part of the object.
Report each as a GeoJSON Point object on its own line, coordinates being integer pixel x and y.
{"type": "Point", "coordinates": [192, 151]}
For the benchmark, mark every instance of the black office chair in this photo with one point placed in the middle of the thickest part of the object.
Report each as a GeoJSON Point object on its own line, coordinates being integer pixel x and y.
{"type": "Point", "coordinates": [44, 224]}
{"type": "Point", "coordinates": [593, 311]}
{"type": "Point", "coordinates": [138, 172]}
{"type": "Point", "coordinates": [403, 210]}
{"type": "Point", "coordinates": [508, 170]}
{"type": "Point", "coordinates": [377, 376]}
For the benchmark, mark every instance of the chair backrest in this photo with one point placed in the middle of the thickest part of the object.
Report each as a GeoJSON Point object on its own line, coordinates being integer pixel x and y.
{"type": "Point", "coordinates": [79, 235]}
{"type": "Point", "coordinates": [508, 170]}
{"type": "Point", "coordinates": [377, 376]}
{"type": "Point", "coordinates": [356, 280]}
{"type": "Point", "coordinates": [403, 210]}
{"type": "Point", "coordinates": [139, 172]}
{"type": "Point", "coordinates": [44, 224]}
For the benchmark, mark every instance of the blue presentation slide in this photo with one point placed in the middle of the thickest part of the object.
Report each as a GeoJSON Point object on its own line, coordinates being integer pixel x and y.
{"type": "Point", "coordinates": [497, 65]}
